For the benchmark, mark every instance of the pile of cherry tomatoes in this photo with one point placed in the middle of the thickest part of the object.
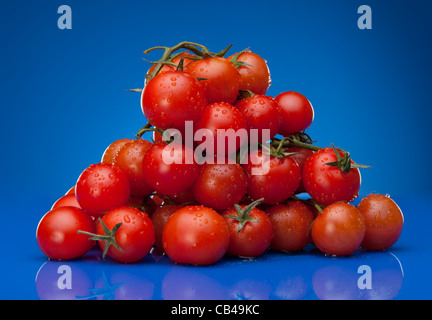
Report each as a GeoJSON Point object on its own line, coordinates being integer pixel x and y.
{"type": "Point", "coordinates": [199, 201]}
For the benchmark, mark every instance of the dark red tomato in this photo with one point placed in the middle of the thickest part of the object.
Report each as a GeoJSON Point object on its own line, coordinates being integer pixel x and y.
{"type": "Point", "coordinates": [135, 236]}
{"type": "Point", "coordinates": [262, 113]}
{"type": "Point", "coordinates": [297, 113]}
{"type": "Point", "coordinates": [219, 186]}
{"type": "Point", "coordinates": [255, 235]}
{"type": "Point", "coordinates": [196, 235]}
{"type": "Point", "coordinates": [339, 229]}
{"type": "Point", "coordinates": [170, 169]}
{"type": "Point", "coordinates": [221, 82]}
{"type": "Point", "coordinates": [57, 235]}
{"type": "Point", "coordinates": [102, 187]}
{"type": "Point", "coordinates": [159, 219]}
{"type": "Point", "coordinates": [130, 159]}
{"type": "Point", "coordinates": [291, 225]}
{"type": "Point", "coordinates": [228, 126]}
{"type": "Point", "coordinates": [111, 151]}
{"type": "Point", "coordinates": [327, 184]}
{"type": "Point", "coordinates": [185, 55]}
{"type": "Point", "coordinates": [256, 75]}
{"type": "Point", "coordinates": [301, 154]}
{"type": "Point", "coordinates": [272, 178]}
{"type": "Point", "coordinates": [171, 98]}
{"type": "Point", "coordinates": [384, 221]}
{"type": "Point", "coordinates": [183, 198]}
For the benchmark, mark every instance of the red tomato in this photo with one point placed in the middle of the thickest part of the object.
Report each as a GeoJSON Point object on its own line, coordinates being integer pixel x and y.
{"type": "Point", "coordinates": [171, 98]}
{"type": "Point", "coordinates": [102, 187]}
{"type": "Point", "coordinates": [251, 234]}
{"type": "Point", "coordinates": [135, 236]}
{"type": "Point", "coordinates": [221, 82]}
{"type": "Point", "coordinates": [297, 113]}
{"type": "Point", "coordinates": [227, 125]}
{"type": "Point", "coordinates": [256, 75]}
{"type": "Point", "coordinates": [339, 229]}
{"type": "Point", "coordinates": [300, 156]}
{"type": "Point", "coordinates": [111, 151]}
{"type": "Point", "coordinates": [384, 221]}
{"type": "Point", "coordinates": [57, 235]}
{"type": "Point", "coordinates": [261, 112]}
{"type": "Point", "coordinates": [219, 186]}
{"type": "Point", "coordinates": [327, 184]}
{"type": "Point", "coordinates": [291, 225]}
{"type": "Point", "coordinates": [196, 235]}
{"type": "Point", "coordinates": [130, 158]}
{"type": "Point", "coordinates": [65, 201]}
{"type": "Point", "coordinates": [159, 219]}
{"type": "Point", "coordinates": [185, 55]}
{"type": "Point", "coordinates": [169, 172]}
{"type": "Point", "coordinates": [281, 179]}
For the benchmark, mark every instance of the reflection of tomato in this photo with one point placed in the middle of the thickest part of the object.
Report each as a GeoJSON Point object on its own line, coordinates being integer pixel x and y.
{"type": "Point", "coordinates": [57, 235]}
{"type": "Point", "coordinates": [196, 235]}
{"type": "Point", "coordinates": [339, 229]}
{"type": "Point", "coordinates": [384, 221]}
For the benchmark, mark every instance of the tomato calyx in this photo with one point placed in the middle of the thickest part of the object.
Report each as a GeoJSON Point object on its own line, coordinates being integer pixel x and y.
{"type": "Point", "coordinates": [237, 63]}
{"type": "Point", "coordinates": [344, 163]}
{"type": "Point", "coordinates": [108, 237]}
{"type": "Point", "coordinates": [243, 215]}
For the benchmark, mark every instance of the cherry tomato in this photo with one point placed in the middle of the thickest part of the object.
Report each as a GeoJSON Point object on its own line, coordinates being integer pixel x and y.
{"type": "Point", "coordinates": [297, 113]}
{"type": "Point", "coordinates": [300, 156]}
{"type": "Point", "coordinates": [111, 151]}
{"type": "Point", "coordinates": [219, 186]}
{"type": "Point", "coordinates": [261, 112]}
{"type": "Point", "coordinates": [186, 60]}
{"type": "Point", "coordinates": [66, 200]}
{"type": "Point", "coordinates": [130, 159]}
{"type": "Point", "coordinates": [280, 179]}
{"type": "Point", "coordinates": [57, 235]}
{"type": "Point", "coordinates": [159, 219]}
{"type": "Point", "coordinates": [168, 170]}
{"type": "Point", "coordinates": [256, 75]}
{"type": "Point", "coordinates": [102, 187]}
{"type": "Point", "coordinates": [220, 78]}
{"type": "Point", "coordinates": [196, 235]}
{"type": "Point", "coordinates": [250, 238]}
{"type": "Point", "coordinates": [384, 221]}
{"type": "Point", "coordinates": [327, 184]}
{"type": "Point", "coordinates": [171, 98]}
{"type": "Point", "coordinates": [291, 225]}
{"type": "Point", "coordinates": [339, 229]}
{"type": "Point", "coordinates": [135, 235]}
{"type": "Point", "coordinates": [227, 125]}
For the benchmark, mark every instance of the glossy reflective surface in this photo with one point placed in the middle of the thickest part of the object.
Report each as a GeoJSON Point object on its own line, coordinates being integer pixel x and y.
{"type": "Point", "coordinates": [402, 272]}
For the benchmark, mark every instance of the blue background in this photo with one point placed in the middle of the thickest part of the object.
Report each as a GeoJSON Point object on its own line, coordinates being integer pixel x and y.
{"type": "Point", "coordinates": [63, 96]}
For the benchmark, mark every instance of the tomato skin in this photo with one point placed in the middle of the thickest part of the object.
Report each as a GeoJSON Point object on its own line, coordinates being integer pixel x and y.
{"type": "Point", "coordinates": [171, 98]}
{"type": "Point", "coordinates": [291, 225]}
{"type": "Point", "coordinates": [223, 116]}
{"type": "Point", "coordinates": [384, 221]}
{"type": "Point", "coordinates": [66, 200]}
{"type": "Point", "coordinates": [254, 238]}
{"type": "Point", "coordinates": [159, 220]}
{"type": "Point", "coordinates": [297, 113]}
{"type": "Point", "coordinates": [219, 186]}
{"type": "Point", "coordinates": [256, 76]}
{"type": "Point", "coordinates": [130, 159]}
{"type": "Point", "coordinates": [300, 157]}
{"type": "Point", "coordinates": [327, 184]}
{"type": "Point", "coordinates": [339, 229]}
{"type": "Point", "coordinates": [176, 60]}
{"type": "Point", "coordinates": [170, 179]}
{"type": "Point", "coordinates": [102, 187]}
{"type": "Point", "coordinates": [196, 235]}
{"type": "Point", "coordinates": [222, 78]}
{"type": "Point", "coordinates": [261, 112]}
{"type": "Point", "coordinates": [110, 152]}
{"type": "Point", "coordinates": [280, 182]}
{"type": "Point", "coordinates": [135, 236]}
{"type": "Point", "coordinates": [57, 235]}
